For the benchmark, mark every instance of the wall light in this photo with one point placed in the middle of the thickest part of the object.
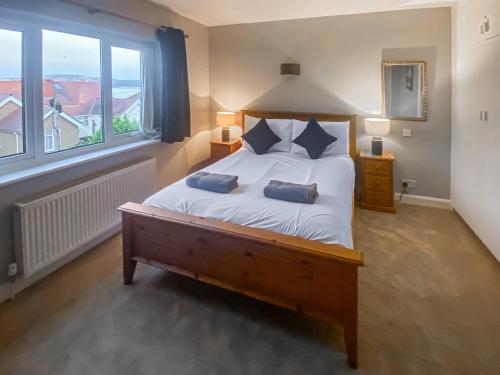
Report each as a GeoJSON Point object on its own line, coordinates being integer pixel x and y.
{"type": "Point", "coordinates": [290, 69]}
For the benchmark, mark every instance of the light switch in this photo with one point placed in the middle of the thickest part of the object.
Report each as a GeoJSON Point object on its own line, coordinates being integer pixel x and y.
{"type": "Point", "coordinates": [406, 132]}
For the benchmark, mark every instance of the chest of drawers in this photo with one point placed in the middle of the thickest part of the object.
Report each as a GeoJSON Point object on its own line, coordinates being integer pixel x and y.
{"type": "Point", "coordinates": [377, 185]}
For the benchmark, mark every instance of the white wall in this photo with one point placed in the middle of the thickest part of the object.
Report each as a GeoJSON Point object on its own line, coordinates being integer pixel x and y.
{"type": "Point", "coordinates": [173, 160]}
{"type": "Point", "coordinates": [340, 60]}
{"type": "Point", "coordinates": [475, 167]}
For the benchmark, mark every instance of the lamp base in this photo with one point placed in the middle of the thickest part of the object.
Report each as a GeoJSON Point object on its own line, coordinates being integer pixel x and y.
{"type": "Point", "coordinates": [225, 134]}
{"type": "Point", "coordinates": [377, 146]}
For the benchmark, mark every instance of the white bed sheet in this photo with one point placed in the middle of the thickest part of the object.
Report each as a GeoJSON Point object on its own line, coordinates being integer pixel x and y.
{"type": "Point", "coordinates": [327, 220]}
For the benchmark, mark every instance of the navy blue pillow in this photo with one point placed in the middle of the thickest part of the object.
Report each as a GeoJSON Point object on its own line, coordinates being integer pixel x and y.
{"type": "Point", "coordinates": [261, 137]}
{"type": "Point", "coordinates": [314, 139]}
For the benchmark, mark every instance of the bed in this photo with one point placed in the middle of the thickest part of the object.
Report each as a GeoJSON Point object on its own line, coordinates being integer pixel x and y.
{"type": "Point", "coordinates": [297, 256]}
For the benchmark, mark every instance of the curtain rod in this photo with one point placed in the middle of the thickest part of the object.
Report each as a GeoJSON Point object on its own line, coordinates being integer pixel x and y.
{"type": "Point", "coordinates": [94, 10]}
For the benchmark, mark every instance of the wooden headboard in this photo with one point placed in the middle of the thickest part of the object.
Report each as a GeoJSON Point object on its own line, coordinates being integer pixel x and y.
{"type": "Point", "coordinates": [304, 116]}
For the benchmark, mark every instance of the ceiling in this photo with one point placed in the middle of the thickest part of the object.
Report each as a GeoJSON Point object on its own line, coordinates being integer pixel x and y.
{"type": "Point", "coordinates": [227, 12]}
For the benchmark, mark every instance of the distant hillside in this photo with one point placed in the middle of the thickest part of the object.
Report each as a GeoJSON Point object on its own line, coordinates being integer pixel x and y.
{"type": "Point", "coordinates": [126, 83]}
{"type": "Point", "coordinates": [70, 77]}
{"type": "Point", "coordinates": [78, 78]}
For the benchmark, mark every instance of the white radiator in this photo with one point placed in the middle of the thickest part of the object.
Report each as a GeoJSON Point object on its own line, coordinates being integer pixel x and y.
{"type": "Point", "coordinates": [51, 227]}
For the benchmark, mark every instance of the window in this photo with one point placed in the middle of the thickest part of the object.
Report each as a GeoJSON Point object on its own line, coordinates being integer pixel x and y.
{"type": "Point", "coordinates": [12, 134]}
{"type": "Point", "coordinates": [127, 95]}
{"type": "Point", "coordinates": [67, 90]}
{"type": "Point", "coordinates": [71, 90]}
{"type": "Point", "coordinates": [49, 140]}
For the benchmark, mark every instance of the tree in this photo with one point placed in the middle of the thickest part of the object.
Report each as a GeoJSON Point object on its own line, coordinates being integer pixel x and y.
{"type": "Point", "coordinates": [124, 124]}
{"type": "Point", "coordinates": [91, 139]}
{"type": "Point", "coordinates": [121, 124]}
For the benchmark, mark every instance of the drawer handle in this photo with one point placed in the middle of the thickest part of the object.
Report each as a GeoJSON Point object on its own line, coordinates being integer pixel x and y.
{"type": "Point", "coordinates": [377, 183]}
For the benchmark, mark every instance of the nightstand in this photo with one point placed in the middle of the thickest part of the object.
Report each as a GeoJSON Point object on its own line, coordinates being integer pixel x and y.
{"type": "Point", "coordinates": [378, 186]}
{"type": "Point", "coordinates": [219, 149]}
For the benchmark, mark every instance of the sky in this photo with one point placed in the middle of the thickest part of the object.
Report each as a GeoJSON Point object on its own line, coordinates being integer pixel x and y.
{"type": "Point", "coordinates": [10, 62]}
{"type": "Point", "coordinates": [67, 54]}
{"type": "Point", "coordinates": [125, 63]}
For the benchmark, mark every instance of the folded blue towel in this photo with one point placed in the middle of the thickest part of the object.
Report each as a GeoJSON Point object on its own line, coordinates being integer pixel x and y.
{"type": "Point", "coordinates": [219, 183]}
{"type": "Point", "coordinates": [287, 191]}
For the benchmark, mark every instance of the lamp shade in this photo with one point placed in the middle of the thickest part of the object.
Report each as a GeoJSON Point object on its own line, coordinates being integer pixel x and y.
{"type": "Point", "coordinates": [225, 119]}
{"type": "Point", "coordinates": [377, 127]}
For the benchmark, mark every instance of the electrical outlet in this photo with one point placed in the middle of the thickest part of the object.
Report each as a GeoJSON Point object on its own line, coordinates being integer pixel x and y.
{"type": "Point", "coordinates": [406, 132]}
{"type": "Point", "coordinates": [486, 23]}
{"type": "Point", "coordinates": [412, 184]}
{"type": "Point", "coordinates": [12, 270]}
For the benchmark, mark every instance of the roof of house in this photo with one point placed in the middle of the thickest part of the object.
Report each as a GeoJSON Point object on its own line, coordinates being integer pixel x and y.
{"type": "Point", "coordinates": [14, 122]}
{"type": "Point", "coordinates": [78, 98]}
{"type": "Point", "coordinates": [72, 91]}
{"type": "Point", "coordinates": [11, 88]}
{"type": "Point", "coordinates": [3, 96]}
{"type": "Point", "coordinates": [120, 106]}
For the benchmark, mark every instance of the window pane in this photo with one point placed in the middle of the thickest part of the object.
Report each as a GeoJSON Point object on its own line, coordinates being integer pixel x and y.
{"type": "Point", "coordinates": [49, 140]}
{"type": "Point", "coordinates": [71, 90]}
{"type": "Point", "coordinates": [127, 96]}
{"type": "Point", "coordinates": [12, 133]}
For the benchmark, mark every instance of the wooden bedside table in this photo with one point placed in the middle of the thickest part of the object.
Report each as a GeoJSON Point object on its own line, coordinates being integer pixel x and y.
{"type": "Point", "coordinates": [378, 186]}
{"type": "Point", "coordinates": [219, 149]}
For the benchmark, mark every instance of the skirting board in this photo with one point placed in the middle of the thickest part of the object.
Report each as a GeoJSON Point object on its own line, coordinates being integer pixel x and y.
{"type": "Point", "coordinates": [8, 291]}
{"type": "Point", "coordinates": [419, 200]}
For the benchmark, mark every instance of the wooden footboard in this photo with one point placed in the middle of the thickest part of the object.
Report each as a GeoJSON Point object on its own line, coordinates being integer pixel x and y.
{"type": "Point", "coordinates": [310, 277]}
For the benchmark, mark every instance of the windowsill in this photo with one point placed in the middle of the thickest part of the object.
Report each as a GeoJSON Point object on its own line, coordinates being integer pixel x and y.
{"type": "Point", "coordinates": [25, 174]}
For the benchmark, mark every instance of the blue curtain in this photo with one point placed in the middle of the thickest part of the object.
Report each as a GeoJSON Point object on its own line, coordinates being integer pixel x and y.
{"type": "Point", "coordinates": [176, 118]}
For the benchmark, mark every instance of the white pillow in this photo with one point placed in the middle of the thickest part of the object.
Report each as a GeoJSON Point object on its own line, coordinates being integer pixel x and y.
{"type": "Point", "coordinates": [339, 130]}
{"type": "Point", "coordinates": [281, 127]}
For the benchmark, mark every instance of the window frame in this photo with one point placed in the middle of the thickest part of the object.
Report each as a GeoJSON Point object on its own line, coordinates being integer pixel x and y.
{"type": "Point", "coordinates": [26, 90]}
{"type": "Point", "coordinates": [34, 145]}
{"type": "Point", "coordinates": [143, 52]}
{"type": "Point", "coordinates": [101, 48]}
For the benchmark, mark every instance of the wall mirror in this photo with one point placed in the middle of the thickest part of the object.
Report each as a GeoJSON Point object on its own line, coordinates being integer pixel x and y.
{"type": "Point", "coordinates": [404, 91]}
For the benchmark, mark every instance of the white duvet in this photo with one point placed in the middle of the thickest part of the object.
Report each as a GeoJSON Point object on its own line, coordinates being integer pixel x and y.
{"type": "Point", "coordinates": [327, 220]}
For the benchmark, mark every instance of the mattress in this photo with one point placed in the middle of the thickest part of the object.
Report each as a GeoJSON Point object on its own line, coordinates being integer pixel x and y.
{"type": "Point", "coordinates": [327, 220]}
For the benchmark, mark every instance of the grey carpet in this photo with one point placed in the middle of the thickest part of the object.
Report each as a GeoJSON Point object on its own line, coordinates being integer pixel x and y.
{"type": "Point", "coordinates": [429, 303]}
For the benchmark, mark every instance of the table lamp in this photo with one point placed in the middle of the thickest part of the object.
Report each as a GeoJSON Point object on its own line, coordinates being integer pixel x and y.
{"type": "Point", "coordinates": [378, 128]}
{"type": "Point", "coordinates": [225, 119]}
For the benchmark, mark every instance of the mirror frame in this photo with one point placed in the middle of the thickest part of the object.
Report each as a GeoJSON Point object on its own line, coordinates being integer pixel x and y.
{"type": "Point", "coordinates": [424, 88]}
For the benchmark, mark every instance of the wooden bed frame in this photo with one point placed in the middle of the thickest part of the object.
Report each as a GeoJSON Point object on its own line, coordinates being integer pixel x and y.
{"type": "Point", "coordinates": [313, 278]}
